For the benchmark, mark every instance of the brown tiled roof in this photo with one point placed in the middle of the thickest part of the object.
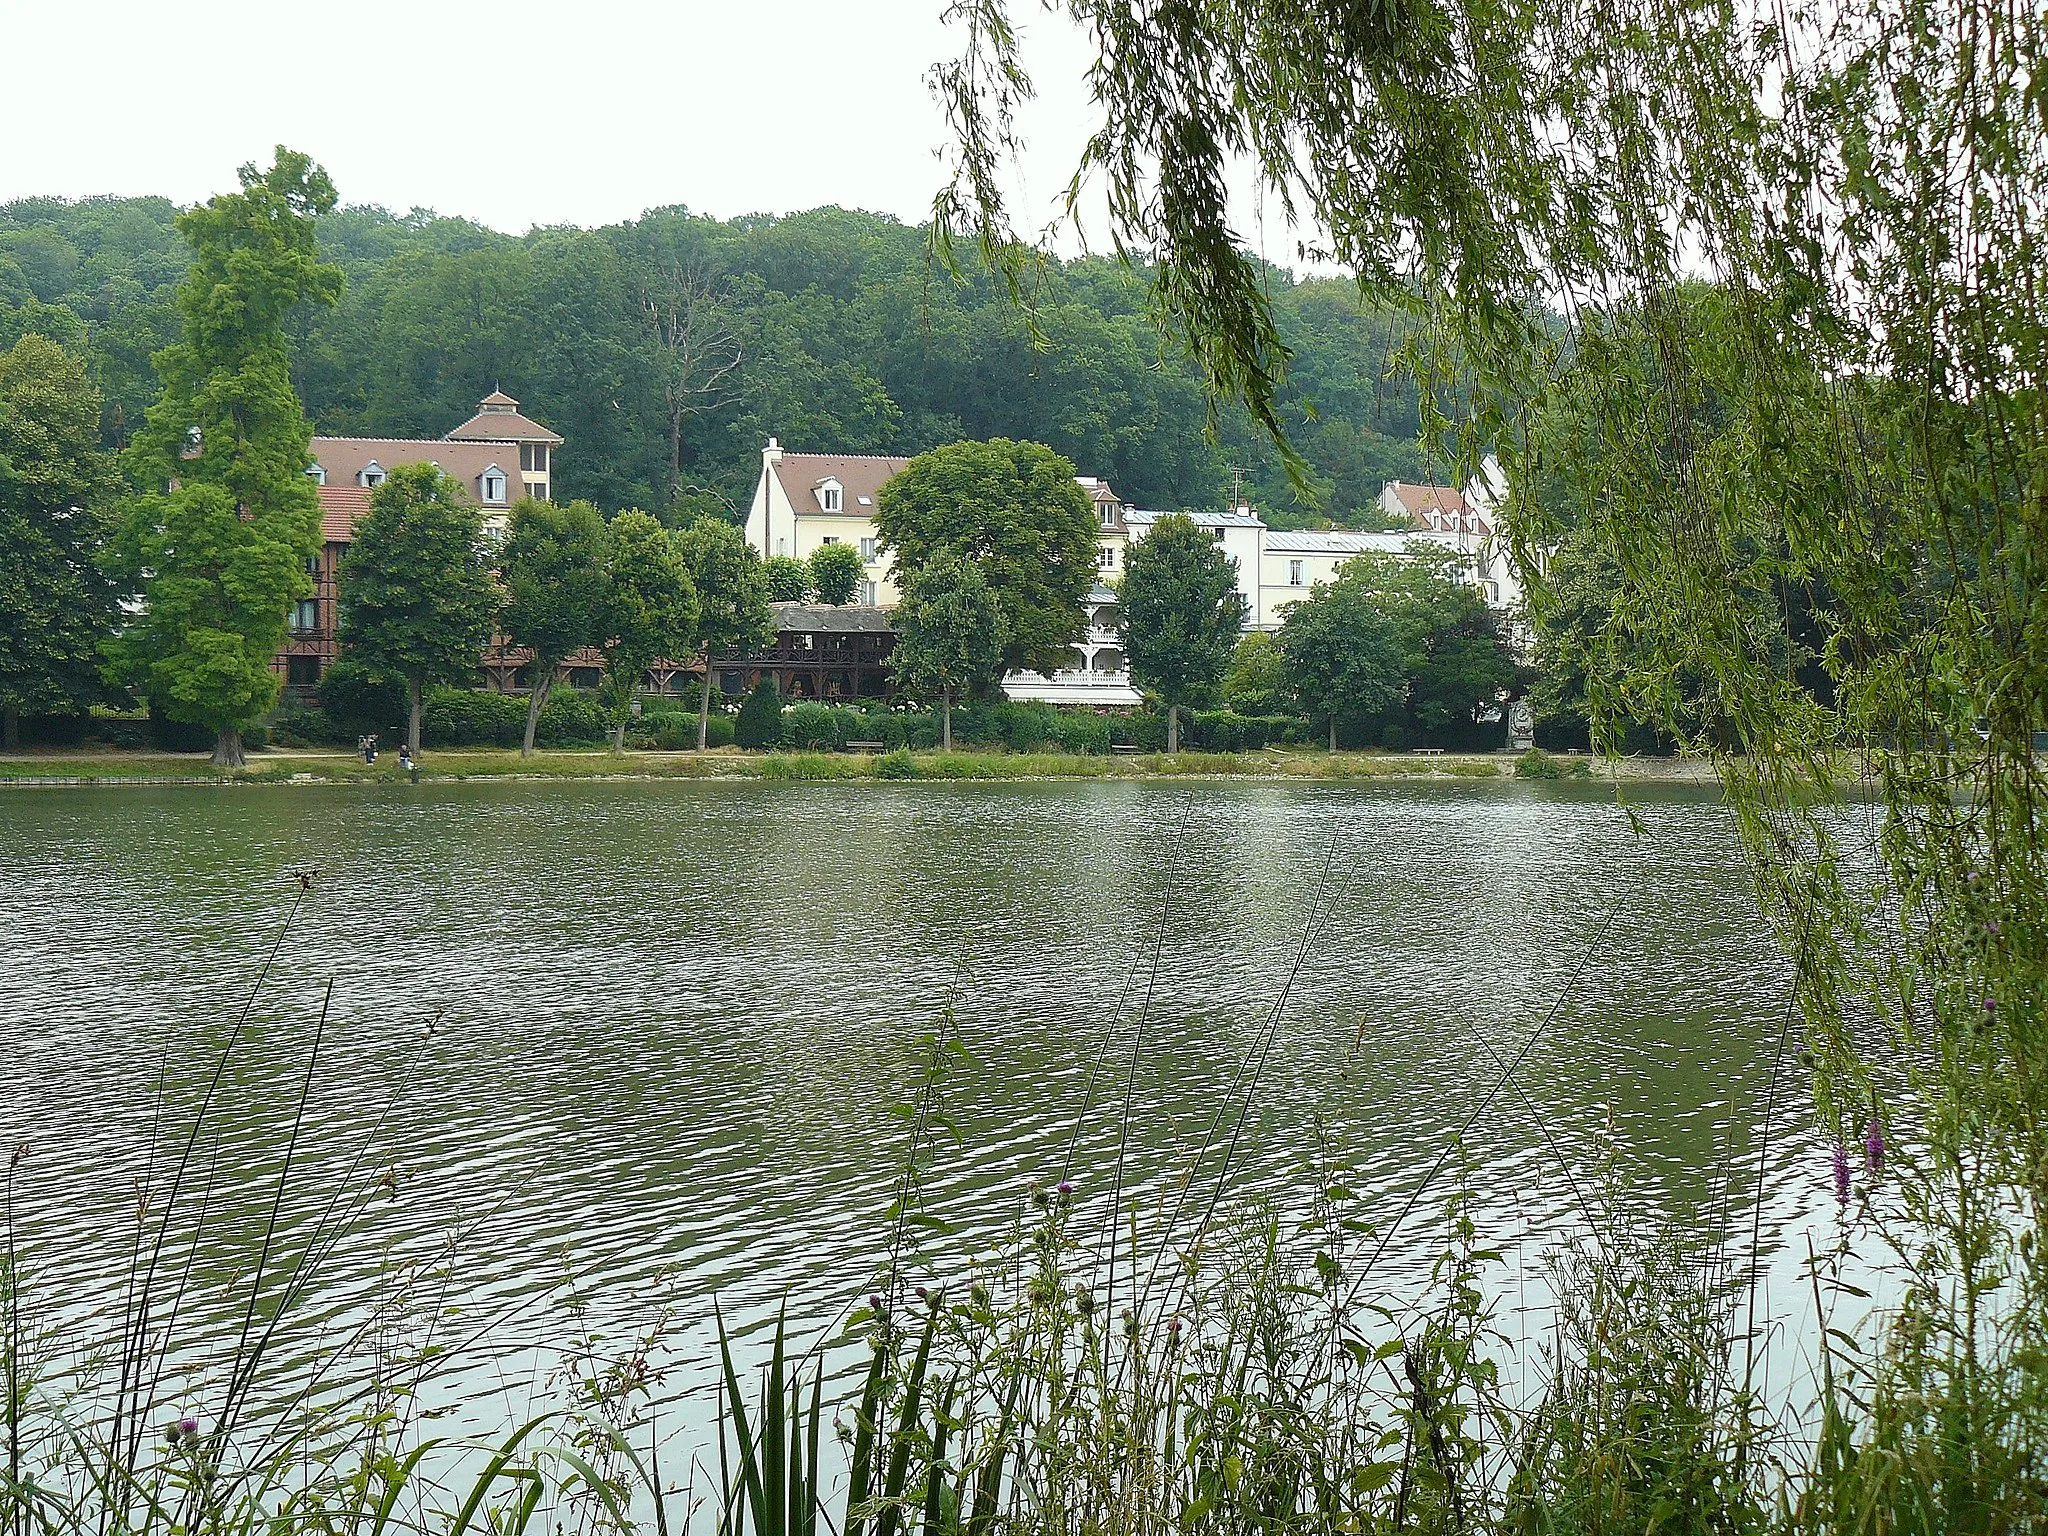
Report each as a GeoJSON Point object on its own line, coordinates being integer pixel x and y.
{"type": "Point", "coordinates": [859, 475]}
{"type": "Point", "coordinates": [499, 397]}
{"type": "Point", "coordinates": [1438, 508]}
{"type": "Point", "coordinates": [502, 426]}
{"type": "Point", "coordinates": [341, 508]}
{"type": "Point", "coordinates": [464, 462]}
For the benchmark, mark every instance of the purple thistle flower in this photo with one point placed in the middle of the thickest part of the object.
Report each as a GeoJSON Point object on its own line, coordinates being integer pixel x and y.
{"type": "Point", "coordinates": [1873, 1146]}
{"type": "Point", "coordinates": [1066, 1186]}
{"type": "Point", "coordinates": [1841, 1173]}
{"type": "Point", "coordinates": [189, 1426]}
{"type": "Point", "coordinates": [1991, 928]}
{"type": "Point", "coordinates": [1991, 1005]}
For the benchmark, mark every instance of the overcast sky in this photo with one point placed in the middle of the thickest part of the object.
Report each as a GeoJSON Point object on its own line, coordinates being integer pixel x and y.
{"type": "Point", "coordinates": [517, 113]}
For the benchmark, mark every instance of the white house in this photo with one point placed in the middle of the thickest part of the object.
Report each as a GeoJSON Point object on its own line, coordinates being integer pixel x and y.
{"type": "Point", "coordinates": [805, 500]}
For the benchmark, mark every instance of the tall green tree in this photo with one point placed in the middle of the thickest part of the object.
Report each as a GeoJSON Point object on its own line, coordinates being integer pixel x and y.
{"type": "Point", "coordinates": [1179, 613]}
{"type": "Point", "coordinates": [1255, 682]}
{"type": "Point", "coordinates": [950, 634]}
{"type": "Point", "coordinates": [732, 596]}
{"type": "Point", "coordinates": [1013, 510]}
{"type": "Point", "coordinates": [1453, 659]}
{"type": "Point", "coordinates": [837, 572]}
{"type": "Point", "coordinates": [1339, 653]}
{"type": "Point", "coordinates": [418, 599]}
{"type": "Point", "coordinates": [555, 562]}
{"type": "Point", "coordinates": [221, 538]}
{"type": "Point", "coordinates": [57, 606]}
{"type": "Point", "coordinates": [651, 609]}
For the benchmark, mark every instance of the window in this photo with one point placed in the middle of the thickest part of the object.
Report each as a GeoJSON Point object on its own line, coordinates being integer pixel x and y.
{"type": "Point", "coordinates": [829, 495]}
{"type": "Point", "coordinates": [867, 549]}
{"type": "Point", "coordinates": [301, 671]}
{"type": "Point", "coordinates": [869, 594]}
{"type": "Point", "coordinates": [833, 540]}
{"type": "Point", "coordinates": [494, 485]}
{"type": "Point", "coordinates": [781, 548]}
{"type": "Point", "coordinates": [316, 473]}
{"type": "Point", "coordinates": [1216, 534]}
{"type": "Point", "coordinates": [1105, 557]}
{"type": "Point", "coordinates": [1294, 573]}
{"type": "Point", "coordinates": [533, 457]}
{"type": "Point", "coordinates": [313, 565]}
{"type": "Point", "coordinates": [371, 475]}
{"type": "Point", "coordinates": [1108, 510]}
{"type": "Point", "coordinates": [305, 615]}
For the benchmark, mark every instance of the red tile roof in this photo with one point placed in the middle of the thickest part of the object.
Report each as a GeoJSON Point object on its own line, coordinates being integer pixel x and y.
{"type": "Point", "coordinates": [341, 506]}
{"type": "Point", "coordinates": [503, 426]}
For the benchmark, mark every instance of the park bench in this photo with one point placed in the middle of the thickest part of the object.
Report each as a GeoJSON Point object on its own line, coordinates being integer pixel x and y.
{"type": "Point", "coordinates": [1429, 751]}
{"type": "Point", "coordinates": [867, 746]}
{"type": "Point", "coordinates": [1123, 747]}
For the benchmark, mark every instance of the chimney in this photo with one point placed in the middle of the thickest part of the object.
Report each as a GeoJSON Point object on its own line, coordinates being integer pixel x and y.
{"type": "Point", "coordinates": [772, 454]}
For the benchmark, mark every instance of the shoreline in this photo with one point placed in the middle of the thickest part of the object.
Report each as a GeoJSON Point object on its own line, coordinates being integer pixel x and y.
{"type": "Point", "coordinates": [62, 769]}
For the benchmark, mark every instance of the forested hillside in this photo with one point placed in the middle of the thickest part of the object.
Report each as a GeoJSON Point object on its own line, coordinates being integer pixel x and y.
{"type": "Point", "coordinates": [667, 350]}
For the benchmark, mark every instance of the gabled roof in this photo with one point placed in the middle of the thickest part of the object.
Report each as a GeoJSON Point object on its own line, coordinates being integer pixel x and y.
{"type": "Point", "coordinates": [1439, 509]}
{"type": "Point", "coordinates": [344, 458]}
{"type": "Point", "coordinates": [860, 476]}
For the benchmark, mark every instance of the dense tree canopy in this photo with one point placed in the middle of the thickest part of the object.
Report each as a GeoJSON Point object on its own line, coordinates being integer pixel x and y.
{"type": "Point", "coordinates": [1179, 615]}
{"type": "Point", "coordinates": [554, 572]}
{"type": "Point", "coordinates": [220, 537]}
{"type": "Point", "coordinates": [418, 598]}
{"type": "Point", "coordinates": [950, 634]}
{"type": "Point", "coordinates": [668, 349]}
{"type": "Point", "coordinates": [1013, 510]}
{"type": "Point", "coordinates": [57, 607]}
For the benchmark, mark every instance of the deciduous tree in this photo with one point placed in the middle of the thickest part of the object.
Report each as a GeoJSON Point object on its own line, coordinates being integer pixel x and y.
{"type": "Point", "coordinates": [789, 579]}
{"type": "Point", "coordinates": [418, 600]}
{"type": "Point", "coordinates": [555, 582]}
{"type": "Point", "coordinates": [1014, 511]}
{"type": "Point", "coordinates": [222, 535]}
{"type": "Point", "coordinates": [1339, 653]}
{"type": "Point", "coordinates": [650, 609]}
{"type": "Point", "coordinates": [732, 596]}
{"type": "Point", "coordinates": [1179, 613]}
{"type": "Point", "coordinates": [57, 606]}
{"type": "Point", "coordinates": [950, 634]}
{"type": "Point", "coordinates": [837, 571]}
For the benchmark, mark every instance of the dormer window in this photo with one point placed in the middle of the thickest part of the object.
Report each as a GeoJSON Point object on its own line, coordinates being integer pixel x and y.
{"type": "Point", "coordinates": [494, 485]}
{"type": "Point", "coordinates": [830, 495]}
{"type": "Point", "coordinates": [317, 472]}
{"type": "Point", "coordinates": [370, 476]}
{"type": "Point", "coordinates": [1109, 510]}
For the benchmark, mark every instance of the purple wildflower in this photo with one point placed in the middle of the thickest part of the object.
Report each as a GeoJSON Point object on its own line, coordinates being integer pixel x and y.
{"type": "Point", "coordinates": [922, 1293]}
{"type": "Point", "coordinates": [189, 1426]}
{"type": "Point", "coordinates": [1991, 928]}
{"type": "Point", "coordinates": [1873, 1146]}
{"type": "Point", "coordinates": [1990, 1005]}
{"type": "Point", "coordinates": [1841, 1173]}
{"type": "Point", "coordinates": [1066, 1186]}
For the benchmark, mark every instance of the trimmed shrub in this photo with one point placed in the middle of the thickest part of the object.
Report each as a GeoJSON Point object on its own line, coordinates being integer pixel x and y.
{"type": "Point", "coordinates": [357, 704]}
{"type": "Point", "coordinates": [759, 726]}
{"type": "Point", "coordinates": [675, 730]}
{"type": "Point", "coordinates": [810, 727]}
{"type": "Point", "coordinates": [1084, 733]}
{"type": "Point", "coordinates": [898, 764]}
{"type": "Point", "coordinates": [1221, 730]}
{"type": "Point", "coordinates": [1537, 764]}
{"type": "Point", "coordinates": [470, 717]}
{"type": "Point", "coordinates": [571, 717]}
{"type": "Point", "coordinates": [168, 735]}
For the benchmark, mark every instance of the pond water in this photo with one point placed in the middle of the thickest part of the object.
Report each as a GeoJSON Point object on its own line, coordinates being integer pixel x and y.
{"type": "Point", "coordinates": [597, 1053]}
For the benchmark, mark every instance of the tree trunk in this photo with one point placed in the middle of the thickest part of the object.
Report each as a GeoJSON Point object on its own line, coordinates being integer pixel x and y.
{"type": "Point", "coordinates": [1333, 733]}
{"type": "Point", "coordinates": [704, 704]}
{"type": "Point", "coordinates": [1173, 727]}
{"type": "Point", "coordinates": [227, 750]}
{"type": "Point", "coordinates": [10, 728]}
{"type": "Point", "coordinates": [534, 703]}
{"type": "Point", "coordinates": [412, 721]}
{"type": "Point", "coordinates": [946, 721]}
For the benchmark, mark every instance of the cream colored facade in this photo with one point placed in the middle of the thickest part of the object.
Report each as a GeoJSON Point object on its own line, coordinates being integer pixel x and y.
{"type": "Point", "coordinates": [804, 501]}
{"type": "Point", "coordinates": [1290, 564]}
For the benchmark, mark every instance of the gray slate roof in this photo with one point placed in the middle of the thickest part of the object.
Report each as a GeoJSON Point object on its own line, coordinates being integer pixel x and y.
{"type": "Point", "coordinates": [827, 619]}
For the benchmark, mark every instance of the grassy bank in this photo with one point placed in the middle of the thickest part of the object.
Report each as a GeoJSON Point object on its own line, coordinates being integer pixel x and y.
{"type": "Point", "coordinates": [287, 766]}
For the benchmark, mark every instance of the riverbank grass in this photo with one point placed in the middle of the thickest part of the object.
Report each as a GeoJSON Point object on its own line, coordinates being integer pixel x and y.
{"type": "Point", "coordinates": [489, 762]}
